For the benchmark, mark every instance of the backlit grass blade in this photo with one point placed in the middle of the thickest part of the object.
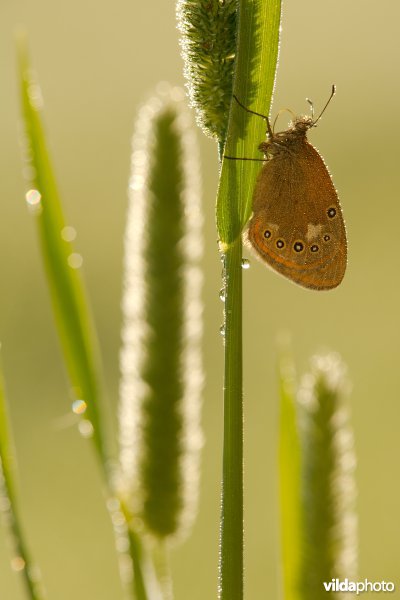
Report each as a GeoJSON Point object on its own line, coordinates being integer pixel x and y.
{"type": "Point", "coordinates": [256, 62]}
{"type": "Point", "coordinates": [61, 262]}
{"type": "Point", "coordinates": [289, 479]}
{"type": "Point", "coordinates": [21, 560]}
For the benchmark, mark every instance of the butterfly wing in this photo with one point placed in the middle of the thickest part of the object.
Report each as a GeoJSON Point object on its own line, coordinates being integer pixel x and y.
{"type": "Point", "coordinates": [297, 226]}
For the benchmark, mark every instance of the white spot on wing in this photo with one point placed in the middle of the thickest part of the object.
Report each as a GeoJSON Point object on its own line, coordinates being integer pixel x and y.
{"type": "Point", "coordinates": [313, 231]}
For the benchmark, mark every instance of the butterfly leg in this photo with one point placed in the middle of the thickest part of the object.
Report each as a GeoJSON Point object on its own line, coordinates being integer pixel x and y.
{"type": "Point", "coordinates": [253, 112]}
{"type": "Point", "coordinates": [240, 158]}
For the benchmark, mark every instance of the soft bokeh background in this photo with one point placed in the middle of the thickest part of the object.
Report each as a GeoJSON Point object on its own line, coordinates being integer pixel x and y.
{"type": "Point", "coordinates": [97, 62]}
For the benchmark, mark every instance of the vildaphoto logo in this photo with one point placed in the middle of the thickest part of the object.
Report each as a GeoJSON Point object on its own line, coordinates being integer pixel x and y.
{"type": "Point", "coordinates": [359, 587]}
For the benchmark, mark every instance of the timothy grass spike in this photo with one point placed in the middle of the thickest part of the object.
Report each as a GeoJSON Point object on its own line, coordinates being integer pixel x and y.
{"type": "Point", "coordinates": [161, 375]}
{"type": "Point", "coordinates": [208, 43]}
{"type": "Point", "coordinates": [329, 518]}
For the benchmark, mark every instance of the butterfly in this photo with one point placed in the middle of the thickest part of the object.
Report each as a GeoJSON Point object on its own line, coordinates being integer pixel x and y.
{"type": "Point", "coordinates": [297, 228]}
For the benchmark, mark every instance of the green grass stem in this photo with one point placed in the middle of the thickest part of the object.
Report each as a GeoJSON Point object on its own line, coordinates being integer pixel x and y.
{"type": "Point", "coordinates": [231, 528]}
{"type": "Point", "coordinates": [256, 60]}
{"type": "Point", "coordinates": [161, 559]}
{"type": "Point", "coordinates": [22, 561]}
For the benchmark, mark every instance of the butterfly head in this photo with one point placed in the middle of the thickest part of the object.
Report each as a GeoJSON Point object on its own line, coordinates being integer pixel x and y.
{"type": "Point", "coordinates": [285, 141]}
{"type": "Point", "coordinates": [302, 124]}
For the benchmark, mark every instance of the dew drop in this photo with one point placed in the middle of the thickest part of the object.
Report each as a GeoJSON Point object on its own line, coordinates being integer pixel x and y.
{"type": "Point", "coordinates": [79, 407]}
{"type": "Point", "coordinates": [17, 563]}
{"type": "Point", "coordinates": [33, 198]}
{"type": "Point", "coordinates": [245, 263]}
{"type": "Point", "coordinates": [35, 96]}
{"type": "Point", "coordinates": [85, 428]}
{"type": "Point", "coordinates": [75, 260]}
{"type": "Point", "coordinates": [222, 295]}
{"type": "Point", "coordinates": [68, 233]}
{"type": "Point", "coordinates": [222, 330]}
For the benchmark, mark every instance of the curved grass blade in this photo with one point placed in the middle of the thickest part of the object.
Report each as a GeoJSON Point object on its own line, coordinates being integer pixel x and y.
{"type": "Point", "coordinates": [21, 561]}
{"type": "Point", "coordinates": [61, 262]}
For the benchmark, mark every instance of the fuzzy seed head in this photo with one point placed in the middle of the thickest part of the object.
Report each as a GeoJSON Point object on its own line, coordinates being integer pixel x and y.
{"type": "Point", "coordinates": [161, 371]}
{"type": "Point", "coordinates": [208, 44]}
{"type": "Point", "coordinates": [329, 490]}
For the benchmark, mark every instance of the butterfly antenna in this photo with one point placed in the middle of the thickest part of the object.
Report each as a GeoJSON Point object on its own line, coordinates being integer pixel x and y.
{"type": "Point", "coordinates": [311, 107]}
{"type": "Point", "coordinates": [282, 110]}
{"type": "Point", "coordinates": [326, 105]}
{"type": "Point", "coordinates": [252, 112]}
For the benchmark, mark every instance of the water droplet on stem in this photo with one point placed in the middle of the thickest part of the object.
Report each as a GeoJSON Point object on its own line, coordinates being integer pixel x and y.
{"type": "Point", "coordinates": [79, 407]}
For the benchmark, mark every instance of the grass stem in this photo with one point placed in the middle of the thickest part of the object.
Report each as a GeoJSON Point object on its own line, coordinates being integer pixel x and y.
{"type": "Point", "coordinates": [22, 561]}
{"type": "Point", "coordinates": [231, 543]}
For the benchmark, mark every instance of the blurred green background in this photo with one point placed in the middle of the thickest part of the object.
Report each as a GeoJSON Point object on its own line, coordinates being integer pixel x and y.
{"type": "Point", "coordinates": [97, 62]}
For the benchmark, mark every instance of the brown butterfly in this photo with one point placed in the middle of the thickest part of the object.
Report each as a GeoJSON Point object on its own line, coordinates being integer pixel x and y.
{"type": "Point", "coordinates": [297, 226]}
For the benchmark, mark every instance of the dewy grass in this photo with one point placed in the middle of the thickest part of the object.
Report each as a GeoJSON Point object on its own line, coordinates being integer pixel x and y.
{"type": "Point", "coordinates": [9, 512]}
{"type": "Point", "coordinates": [62, 264]}
{"type": "Point", "coordinates": [161, 375]}
{"type": "Point", "coordinates": [170, 329]}
{"type": "Point", "coordinates": [73, 319]}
